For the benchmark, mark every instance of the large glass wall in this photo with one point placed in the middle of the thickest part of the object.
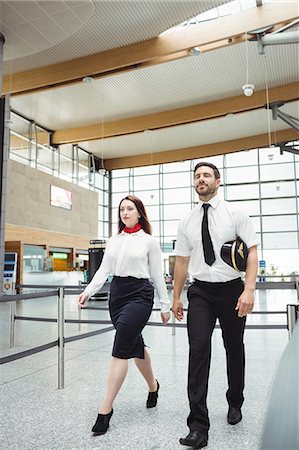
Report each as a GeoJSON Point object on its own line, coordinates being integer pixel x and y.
{"type": "Point", "coordinates": [30, 145]}
{"type": "Point", "coordinates": [263, 182]}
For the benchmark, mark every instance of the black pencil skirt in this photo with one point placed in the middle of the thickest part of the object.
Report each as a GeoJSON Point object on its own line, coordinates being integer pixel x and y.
{"type": "Point", "coordinates": [130, 306]}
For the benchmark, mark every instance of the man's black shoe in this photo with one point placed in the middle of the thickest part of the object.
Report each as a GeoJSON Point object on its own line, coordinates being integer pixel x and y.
{"type": "Point", "coordinates": [195, 439]}
{"type": "Point", "coordinates": [234, 415]}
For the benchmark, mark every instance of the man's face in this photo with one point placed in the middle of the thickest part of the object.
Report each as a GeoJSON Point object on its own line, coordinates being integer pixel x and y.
{"type": "Point", "coordinates": [205, 183]}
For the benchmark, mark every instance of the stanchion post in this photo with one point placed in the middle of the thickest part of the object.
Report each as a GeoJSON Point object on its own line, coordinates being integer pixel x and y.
{"type": "Point", "coordinates": [60, 338]}
{"type": "Point", "coordinates": [292, 313]}
{"type": "Point", "coordinates": [12, 324]}
{"type": "Point", "coordinates": [173, 322]}
{"type": "Point", "coordinates": [79, 317]}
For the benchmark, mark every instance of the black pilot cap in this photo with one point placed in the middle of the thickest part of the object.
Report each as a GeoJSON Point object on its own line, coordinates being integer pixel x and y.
{"type": "Point", "coordinates": [235, 254]}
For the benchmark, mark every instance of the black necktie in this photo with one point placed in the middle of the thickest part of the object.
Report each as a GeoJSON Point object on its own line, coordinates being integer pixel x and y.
{"type": "Point", "coordinates": [206, 238]}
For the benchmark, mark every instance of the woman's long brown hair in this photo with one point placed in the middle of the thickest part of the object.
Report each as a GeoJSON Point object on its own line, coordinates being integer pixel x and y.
{"type": "Point", "coordinates": [144, 222]}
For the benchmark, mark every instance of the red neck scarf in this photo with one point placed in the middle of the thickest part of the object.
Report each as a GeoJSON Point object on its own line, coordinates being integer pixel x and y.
{"type": "Point", "coordinates": [136, 228]}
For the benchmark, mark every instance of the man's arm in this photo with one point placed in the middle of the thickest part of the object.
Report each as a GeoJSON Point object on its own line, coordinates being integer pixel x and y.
{"type": "Point", "coordinates": [246, 300]}
{"type": "Point", "coordinates": [180, 275]}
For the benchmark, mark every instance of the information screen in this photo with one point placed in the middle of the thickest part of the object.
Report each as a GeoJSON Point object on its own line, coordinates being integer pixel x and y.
{"type": "Point", "coordinates": [60, 197]}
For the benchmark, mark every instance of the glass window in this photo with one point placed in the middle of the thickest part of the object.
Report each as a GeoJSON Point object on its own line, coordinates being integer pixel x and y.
{"type": "Point", "coordinates": [241, 174]}
{"type": "Point", "coordinates": [146, 182]}
{"type": "Point", "coordinates": [66, 150]}
{"type": "Point", "coordinates": [146, 170]}
{"type": "Point", "coordinates": [148, 197]}
{"type": "Point", "coordinates": [181, 195]}
{"type": "Point", "coordinates": [40, 135]}
{"type": "Point", "coordinates": [278, 189]}
{"type": "Point", "coordinates": [251, 207]}
{"type": "Point", "coordinates": [245, 158]}
{"type": "Point", "coordinates": [66, 167]}
{"type": "Point", "coordinates": [120, 185]}
{"type": "Point", "coordinates": [34, 258]}
{"type": "Point", "coordinates": [256, 224]}
{"type": "Point", "coordinates": [277, 172]}
{"type": "Point", "coordinates": [83, 174]}
{"type": "Point", "coordinates": [170, 227]}
{"type": "Point", "coordinates": [284, 262]}
{"type": "Point", "coordinates": [19, 146]}
{"type": "Point", "coordinates": [181, 166]}
{"type": "Point", "coordinates": [216, 160]}
{"type": "Point", "coordinates": [272, 156]}
{"type": "Point", "coordinates": [20, 125]}
{"type": "Point", "coordinates": [121, 173]}
{"type": "Point", "coordinates": [280, 240]}
{"type": "Point", "coordinates": [175, 180]}
{"type": "Point", "coordinates": [280, 223]}
{"type": "Point", "coordinates": [279, 206]}
{"type": "Point", "coordinates": [114, 215]}
{"type": "Point", "coordinates": [242, 191]}
{"type": "Point", "coordinates": [116, 198]}
{"type": "Point", "coordinates": [153, 213]}
{"type": "Point", "coordinates": [176, 211]}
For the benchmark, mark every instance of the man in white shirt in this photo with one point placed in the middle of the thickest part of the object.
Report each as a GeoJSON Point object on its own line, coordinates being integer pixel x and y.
{"type": "Point", "coordinates": [217, 292]}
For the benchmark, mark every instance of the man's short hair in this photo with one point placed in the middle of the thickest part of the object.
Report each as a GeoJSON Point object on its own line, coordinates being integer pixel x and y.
{"type": "Point", "coordinates": [207, 164]}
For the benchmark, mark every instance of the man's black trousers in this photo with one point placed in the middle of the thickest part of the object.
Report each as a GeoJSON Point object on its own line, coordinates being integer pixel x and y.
{"type": "Point", "coordinates": [207, 302]}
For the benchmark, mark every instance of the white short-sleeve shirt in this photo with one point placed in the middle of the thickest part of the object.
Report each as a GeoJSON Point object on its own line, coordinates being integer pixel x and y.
{"type": "Point", "coordinates": [226, 222]}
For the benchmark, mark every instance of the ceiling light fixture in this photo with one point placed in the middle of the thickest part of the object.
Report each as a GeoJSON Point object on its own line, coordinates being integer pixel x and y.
{"type": "Point", "coordinates": [195, 51]}
{"type": "Point", "coordinates": [87, 79]}
{"type": "Point", "coordinates": [247, 88]}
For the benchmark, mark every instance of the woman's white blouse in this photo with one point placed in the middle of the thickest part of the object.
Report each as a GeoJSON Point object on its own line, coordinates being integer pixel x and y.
{"type": "Point", "coordinates": [132, 255]}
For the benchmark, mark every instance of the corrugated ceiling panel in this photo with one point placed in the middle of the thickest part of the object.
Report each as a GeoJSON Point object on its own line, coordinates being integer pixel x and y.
{"type": "Point", "coordinates": [113, 24]}
{"type": "Point", "coordinates": [195, 134]}
{"type": "Point", "coordinates": [207, 77]}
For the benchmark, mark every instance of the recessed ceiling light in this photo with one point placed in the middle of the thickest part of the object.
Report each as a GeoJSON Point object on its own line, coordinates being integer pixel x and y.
{"type": "Point", "coordinates": [87, 80]}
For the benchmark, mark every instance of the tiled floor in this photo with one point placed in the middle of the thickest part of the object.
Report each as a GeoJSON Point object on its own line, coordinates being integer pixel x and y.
{"type": "Point", "coordinates": [36, 415]}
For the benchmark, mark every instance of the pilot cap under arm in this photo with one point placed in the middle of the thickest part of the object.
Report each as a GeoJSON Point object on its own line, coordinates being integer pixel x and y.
{"type": "Point", "coordinates": [235, 254]}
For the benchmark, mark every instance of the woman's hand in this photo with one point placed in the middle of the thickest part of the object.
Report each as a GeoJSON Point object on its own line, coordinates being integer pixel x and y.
{"type": "Point", "coordinates": [82, 299]}
{"type": "Point", "coordinates": [165, 316]}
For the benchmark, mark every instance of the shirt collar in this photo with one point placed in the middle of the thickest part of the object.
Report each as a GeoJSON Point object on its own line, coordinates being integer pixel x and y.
{"type": "Point", "coordinates": [138, 233]}
{"type": "Point", "coordinates": [214, 201]}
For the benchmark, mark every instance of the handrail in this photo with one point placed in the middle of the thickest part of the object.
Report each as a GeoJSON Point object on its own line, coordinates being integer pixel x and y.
{"type": "Point", "coordinates": [13, 298]}
{"type": "Point", "coordinates": [291, 312]}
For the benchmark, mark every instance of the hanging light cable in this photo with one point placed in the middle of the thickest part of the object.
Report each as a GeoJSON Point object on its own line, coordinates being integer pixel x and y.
{"type": "Point", "coordinates": [247, 88]}
{"type": "Point", "coordinates": [102, 170]}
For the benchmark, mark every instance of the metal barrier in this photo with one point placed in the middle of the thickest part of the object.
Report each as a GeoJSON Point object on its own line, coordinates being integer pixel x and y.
{"type": "Point", "coordinates": [292, 316]}
{"type": "Point", "coordinates": [291, 312]}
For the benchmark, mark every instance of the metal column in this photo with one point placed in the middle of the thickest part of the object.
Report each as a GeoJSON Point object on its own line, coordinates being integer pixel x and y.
{"type": "Point", "coordinates": [2, 168]}
{"type": "Point", "coordinates": [60, 338]}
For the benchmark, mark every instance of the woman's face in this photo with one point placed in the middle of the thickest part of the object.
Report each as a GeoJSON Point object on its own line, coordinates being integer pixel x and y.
{"type": "Point", "coordinates": [129, 214]}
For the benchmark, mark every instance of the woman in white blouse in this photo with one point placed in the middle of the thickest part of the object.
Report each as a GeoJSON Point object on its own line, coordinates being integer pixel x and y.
{"type": "Point", "coordinates": [133, 257]}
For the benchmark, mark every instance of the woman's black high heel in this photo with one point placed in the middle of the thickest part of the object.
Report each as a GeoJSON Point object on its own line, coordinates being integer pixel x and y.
{"type": "Point", "coordinates": [153, 397]}
{"type": "Point", "coordinates": [102, 423]}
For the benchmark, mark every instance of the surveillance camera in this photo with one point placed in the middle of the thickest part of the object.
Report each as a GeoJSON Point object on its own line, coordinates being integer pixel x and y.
{"type": "Point", "coordinates": [248, 89]}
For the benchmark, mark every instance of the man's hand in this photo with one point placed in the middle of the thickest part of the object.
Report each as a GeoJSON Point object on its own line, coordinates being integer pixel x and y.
{"type": "Point", "coordinates": [245, 303]}
{"type": "Point", "coordinates": [177, 309]}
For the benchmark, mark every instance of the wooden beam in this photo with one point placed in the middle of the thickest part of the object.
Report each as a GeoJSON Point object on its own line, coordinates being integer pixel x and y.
{"type": "Point", "coordinates": [195, 113]}
{"type": "Point", "coordinates": [152, 51]}
{"type": "Point", "coordinates": [201, 151]}
{"type": "Point", "coordinates": [37, 236]}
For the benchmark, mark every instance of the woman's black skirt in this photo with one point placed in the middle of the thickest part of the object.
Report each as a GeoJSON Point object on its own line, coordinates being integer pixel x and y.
{"type": "Point", "coordinates": [130, 306]}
